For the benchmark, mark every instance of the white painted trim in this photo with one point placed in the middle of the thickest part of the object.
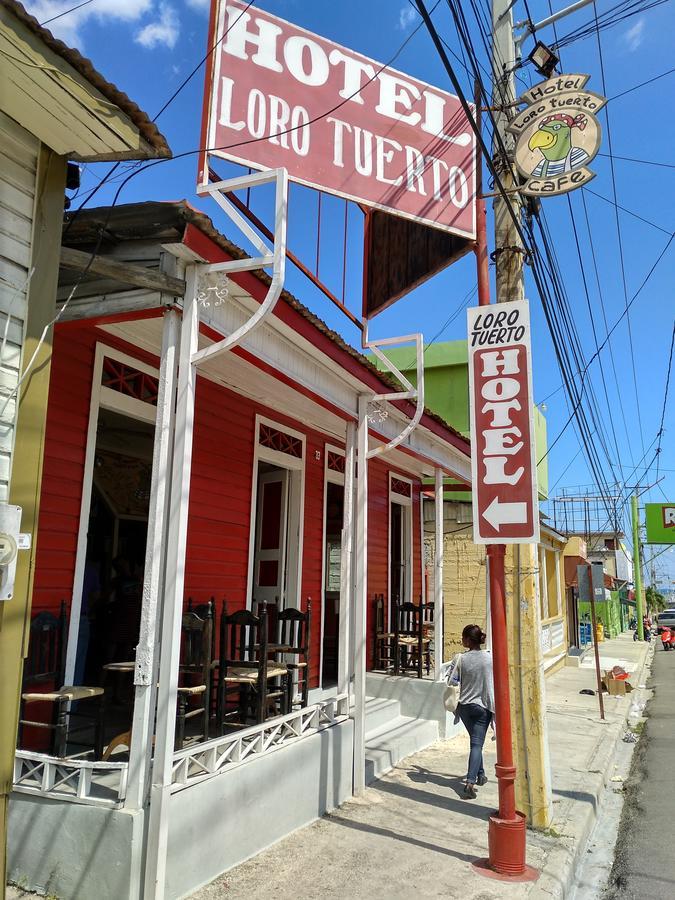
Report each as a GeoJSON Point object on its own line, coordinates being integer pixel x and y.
{"type": "Point", "coordinates": [275, 257]}
{"type": "Point", "coordinates": [101, 351]}
{"type": "Point", "coordinates": [423, 568]}
{"type": "Point", "coordinates": [439, 610]}
{"type": "Point", "coordinates": [543, 585]}
{"type": "Point", "coordinates": [296, 506]}
{"type": "Point", "coordinates": [360, 600]}
{"type": "Point", "coordinates": [127, 406]}
{"type": "Point", "coordinates": [347, 570]}
{"type": "Point", "coordinates": [147, 651]}
{"type": "Point", "coordinates": [329, 477]}
{"type": "Point", "coordinates": [195, 764]}
{"type": "Point", "coordinates": [407, 521]}
{"type": "Point", "coordinates": [162, 768]}
{"type": "Point", "coordinates": [558, 592]}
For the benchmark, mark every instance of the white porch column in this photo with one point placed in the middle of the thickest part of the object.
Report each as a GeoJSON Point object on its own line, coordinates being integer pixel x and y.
{"type": "Point", "coordinates": [160, 791]}
{"type": "Point", "coordinates": [346, 583]}
{"type": "Point", "coordinates": [145, 675]}
{"type": "Point", "coordinates": [360, 599]}
{"type": "Point", "coordinates": [439, 629]}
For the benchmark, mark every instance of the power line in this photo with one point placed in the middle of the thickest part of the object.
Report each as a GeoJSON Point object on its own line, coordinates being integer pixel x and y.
{"type": "Point", "coordinates": [626, 210]}
{"type": "Point", "coordinates": [642, 162]}
{"type": "Point", "coordinates": [618, 230]}
{"type": "Point", "coordinates": [665, 401]}
{"type": "Point", "coordinates": [65, 12]}
{"type": "Point", "coordinates": [642, 84]}
{"type": "Point", "coordinates": [541, 282]}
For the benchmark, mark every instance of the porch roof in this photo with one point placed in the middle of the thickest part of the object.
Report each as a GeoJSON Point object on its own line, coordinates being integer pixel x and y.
{"type": "Point", "coordinates": [101, 122]}
{"type": "Point", "coordinates": [170, 222]}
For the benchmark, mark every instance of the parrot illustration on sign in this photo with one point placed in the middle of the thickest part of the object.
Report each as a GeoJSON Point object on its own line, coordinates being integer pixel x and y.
{"type": "Point", "coordinates": [554, 140]}
{"type": "Point", "coordinates": [557, 135]}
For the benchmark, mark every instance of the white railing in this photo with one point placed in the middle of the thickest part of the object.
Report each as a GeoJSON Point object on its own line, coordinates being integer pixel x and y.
{"type": "Point", "coordinates": [74, 780]}
{"type": "Point", "coordinates": [194, 764]}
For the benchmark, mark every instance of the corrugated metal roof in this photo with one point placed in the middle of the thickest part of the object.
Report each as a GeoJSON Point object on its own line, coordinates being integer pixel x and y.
{"type": "Point", "coordinates": [157, 145]}
{"type": "Point", "coordinates": [166, 221]}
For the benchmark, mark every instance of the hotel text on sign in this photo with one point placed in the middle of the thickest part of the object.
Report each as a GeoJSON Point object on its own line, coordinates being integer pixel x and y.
{"type": "Point", "coordinates": [504, 483]}
{"type": "Point", "coordinates": [277, 95]}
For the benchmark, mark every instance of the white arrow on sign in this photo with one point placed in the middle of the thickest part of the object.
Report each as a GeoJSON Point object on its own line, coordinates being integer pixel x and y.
{"type": "Point", "coordinates": [499, 513]}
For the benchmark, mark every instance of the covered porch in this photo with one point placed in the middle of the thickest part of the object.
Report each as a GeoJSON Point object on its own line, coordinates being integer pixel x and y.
{"type": "Point", "coordinates": [224, 488]}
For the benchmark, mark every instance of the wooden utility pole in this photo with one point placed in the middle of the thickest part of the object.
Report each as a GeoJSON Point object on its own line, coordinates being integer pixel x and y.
{"type": "Point", "coordinates": [528, 693]}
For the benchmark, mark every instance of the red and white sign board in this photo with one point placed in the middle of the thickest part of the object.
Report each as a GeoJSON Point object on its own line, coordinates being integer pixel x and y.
{"type": "Point", "coordinates": [277, 95]}
{"type": "Point", "coordinates": [503, 464]}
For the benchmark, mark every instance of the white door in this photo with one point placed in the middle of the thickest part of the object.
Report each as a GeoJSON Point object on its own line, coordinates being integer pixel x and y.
{"type": "Point", "coordinates": [269, 576]}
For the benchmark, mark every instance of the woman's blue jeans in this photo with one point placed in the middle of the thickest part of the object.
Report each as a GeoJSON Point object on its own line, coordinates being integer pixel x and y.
{"type": "Point", "coordinates": [476, 719]}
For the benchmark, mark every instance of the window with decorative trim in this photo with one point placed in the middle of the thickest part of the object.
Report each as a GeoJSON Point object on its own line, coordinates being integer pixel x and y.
{"type": "Point", "coordinates": [278, 440]}
{"type": "Point", "coordinates": [118, 376]}
{"type": "Point", "coordinates": [401, 487]}
{"type": "Point", "coordinates": [335, 462]}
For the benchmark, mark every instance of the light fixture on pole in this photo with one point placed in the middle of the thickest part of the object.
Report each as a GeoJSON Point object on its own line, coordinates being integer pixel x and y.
{"type": "Point", "coordinates": [543, 59]}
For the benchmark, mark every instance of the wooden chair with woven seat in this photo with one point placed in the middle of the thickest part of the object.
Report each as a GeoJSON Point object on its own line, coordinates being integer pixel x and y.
{"type": "Point", "coordinates": [196, 662]}
{"type": "Point", "coordinates": [195, 670]}
{"type": "Point", "coordinates": [245, 672]}
{"type": "Point", "coordinates": [45, 665]}
{"type": "Point", "coordinates": [383, 640]}
{"type": "Point", "coordinates": [293, 640]}
{"type": "Point", "coordinates": [412, 645]}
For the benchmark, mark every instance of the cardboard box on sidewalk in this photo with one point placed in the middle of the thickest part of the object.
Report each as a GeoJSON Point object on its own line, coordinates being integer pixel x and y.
{"type": "Point", "coordinates": [615, 687]}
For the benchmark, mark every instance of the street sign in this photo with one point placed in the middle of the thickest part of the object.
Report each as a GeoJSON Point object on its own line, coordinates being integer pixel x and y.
{"type": "Point", "coordinates": [660, 519]}
{"type": "Point", "coordinates": [277, 95]}
{"type": "Point", "coordinates": [503, 464]}
{"type": "Point", "coordinates": [598, 576]}
{"type": "Point", "coordinates": [557, 135]}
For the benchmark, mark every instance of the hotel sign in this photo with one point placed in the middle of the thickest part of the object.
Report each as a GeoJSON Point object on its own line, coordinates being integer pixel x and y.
{"type": "Point", "coordinates": [503, 464]}
{"type": "Point", "coordinates": [277, 95]}
{"type": "Point", "coordinates": [557, 135]}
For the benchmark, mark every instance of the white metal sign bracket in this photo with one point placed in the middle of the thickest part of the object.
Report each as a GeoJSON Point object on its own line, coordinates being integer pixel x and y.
{"type": "Point", "coordinates": [269, 256]}
{"type": "Point", "coordinates": [410, 393]}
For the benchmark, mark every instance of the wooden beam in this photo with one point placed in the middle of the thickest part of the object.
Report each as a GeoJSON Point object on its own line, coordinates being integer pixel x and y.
{"type": "Point", "coordinates": [125, 273]}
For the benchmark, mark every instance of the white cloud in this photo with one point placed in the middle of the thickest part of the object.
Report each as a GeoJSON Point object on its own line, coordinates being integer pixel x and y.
{"type": "Point", "coordinates": [405, 17]}
{"type": "Point", "coordinates": [199, 4]}
{"type": "Point", "coordinates": [163, 32]}
{"type": "Point", "coordinates": [635, 35]}
{"type": "Point", "coordinates": [69, 27]}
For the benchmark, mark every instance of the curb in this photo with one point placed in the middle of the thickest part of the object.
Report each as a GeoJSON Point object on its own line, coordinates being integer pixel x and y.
{"type": "Point", "coordinates": [564, 859]}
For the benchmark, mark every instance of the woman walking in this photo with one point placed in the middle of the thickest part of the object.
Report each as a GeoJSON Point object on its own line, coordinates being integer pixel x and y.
{"type": "Point", "coordinates": [472, 672]}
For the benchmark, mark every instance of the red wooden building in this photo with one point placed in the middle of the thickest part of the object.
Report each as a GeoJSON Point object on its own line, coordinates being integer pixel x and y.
{"type": "Point", "coordinates": [271, 498]}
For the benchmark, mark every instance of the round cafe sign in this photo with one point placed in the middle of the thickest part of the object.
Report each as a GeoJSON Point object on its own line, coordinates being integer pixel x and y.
{"type": "Point", "coordinates": [557, 135]}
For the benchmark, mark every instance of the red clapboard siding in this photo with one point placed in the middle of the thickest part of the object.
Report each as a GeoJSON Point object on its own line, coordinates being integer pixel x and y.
{"type": "Point", "coordinates": [220, 505]}
{"type": "Point", "coordinates": [378, 542]}
{"type": "Point", "coordinates": [65, 447]}
{"type": "Point", "coordinates": [221, 489]}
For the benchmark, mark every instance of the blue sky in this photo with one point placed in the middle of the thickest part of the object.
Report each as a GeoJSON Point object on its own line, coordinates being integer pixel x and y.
{"type": "Point", "coordinates": [147, 47]}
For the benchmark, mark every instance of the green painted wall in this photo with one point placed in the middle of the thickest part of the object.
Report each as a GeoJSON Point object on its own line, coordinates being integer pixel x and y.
{"type": "Point", "coordinates": [608, 612]}
{"type": "Point", "coordinates": [446, 376]}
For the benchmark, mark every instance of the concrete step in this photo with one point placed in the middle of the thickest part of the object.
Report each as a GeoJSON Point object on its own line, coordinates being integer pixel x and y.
{"type": "Point", "coordinates": [380, 711]}
{"type": "Point", "coordinates": [394, 741]}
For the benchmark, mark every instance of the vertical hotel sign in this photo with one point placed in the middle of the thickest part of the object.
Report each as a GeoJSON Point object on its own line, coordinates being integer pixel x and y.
{"type": "Point", "coordinates": [503, 464]}
{"type": "Point", "coordinates": [277, 95]}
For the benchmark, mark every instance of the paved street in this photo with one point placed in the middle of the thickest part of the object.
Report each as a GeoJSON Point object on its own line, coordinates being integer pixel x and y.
{"type": "Point", "coordinates": [645, 850]}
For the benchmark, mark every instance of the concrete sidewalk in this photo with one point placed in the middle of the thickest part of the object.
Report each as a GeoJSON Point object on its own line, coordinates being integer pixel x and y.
{"type": "Point", "coordinates": [412, 834]}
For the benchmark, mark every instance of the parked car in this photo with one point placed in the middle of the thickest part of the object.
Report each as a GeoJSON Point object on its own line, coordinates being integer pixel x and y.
{"type": "Point", "coordinates": [666, 619]}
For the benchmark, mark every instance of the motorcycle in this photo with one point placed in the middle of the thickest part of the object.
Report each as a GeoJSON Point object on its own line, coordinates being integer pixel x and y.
{"type": "Point", "coordinates": [667, 639]}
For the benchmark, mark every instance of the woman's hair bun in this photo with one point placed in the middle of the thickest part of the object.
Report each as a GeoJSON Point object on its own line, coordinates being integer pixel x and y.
{"type": "Point", "coordinates": [474, 634]}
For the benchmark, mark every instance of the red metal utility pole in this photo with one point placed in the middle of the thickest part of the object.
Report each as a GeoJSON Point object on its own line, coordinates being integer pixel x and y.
{"type": "Point", "coordinates": [507, 829]}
